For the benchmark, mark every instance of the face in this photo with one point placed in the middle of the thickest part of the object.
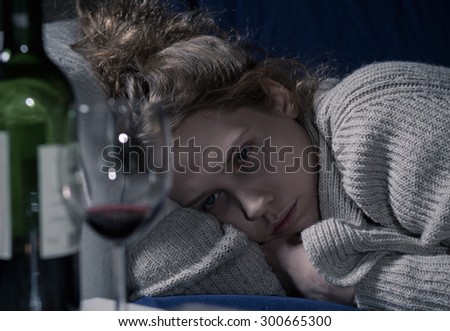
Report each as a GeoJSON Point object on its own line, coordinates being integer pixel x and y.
{"type": "Point", "coordinates": [252, 168]}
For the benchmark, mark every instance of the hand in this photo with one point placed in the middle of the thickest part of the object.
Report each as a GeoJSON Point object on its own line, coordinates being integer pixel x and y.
{"type": "Point", "coordinates": [279, 254]}
{"type": "Point", "coordinates": [289, 261]}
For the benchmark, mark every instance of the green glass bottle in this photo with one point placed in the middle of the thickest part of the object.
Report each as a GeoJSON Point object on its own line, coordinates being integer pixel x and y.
{"type": "Point", "coordinates": [38, 241]}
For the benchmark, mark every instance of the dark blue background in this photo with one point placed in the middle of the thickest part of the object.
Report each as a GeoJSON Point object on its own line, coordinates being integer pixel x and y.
{"type": "Point", "coordinates": [344, 33]}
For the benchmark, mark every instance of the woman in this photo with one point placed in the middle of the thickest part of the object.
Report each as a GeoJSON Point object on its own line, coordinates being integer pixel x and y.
{"type": "Point", "coordinates": [344, 184]}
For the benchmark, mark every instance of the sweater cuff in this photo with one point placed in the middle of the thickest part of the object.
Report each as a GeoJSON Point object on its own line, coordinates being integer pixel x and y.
{"type": "Point", "coordinates": [334, 250]}
{"type": "Point", "coordinates": [344, 253]}
{"type": "Point", "coordinates": [406, 282]}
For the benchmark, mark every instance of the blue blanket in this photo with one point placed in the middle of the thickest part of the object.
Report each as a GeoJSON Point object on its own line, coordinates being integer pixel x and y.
{"type": "Point", "coordinates": [241, 302]}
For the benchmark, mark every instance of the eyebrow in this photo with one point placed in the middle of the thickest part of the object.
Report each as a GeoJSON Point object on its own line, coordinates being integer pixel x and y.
{"type": "Point", "coordinates": [230, 151]}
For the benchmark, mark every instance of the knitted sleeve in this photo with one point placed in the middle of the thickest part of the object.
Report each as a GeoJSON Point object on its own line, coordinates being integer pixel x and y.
{"type": "Point", "coordinates": [190, 252]}
{"type": "Point", "coordinates": [390, 271]}
{"type": "Point", "coordinates": [388, 127]}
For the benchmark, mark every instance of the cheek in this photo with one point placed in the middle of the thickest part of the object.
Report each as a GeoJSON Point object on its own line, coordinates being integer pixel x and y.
{"type": "Point", "coordinates": [231, 215]}
{"type": "Point", "coordinates": [236, 218]}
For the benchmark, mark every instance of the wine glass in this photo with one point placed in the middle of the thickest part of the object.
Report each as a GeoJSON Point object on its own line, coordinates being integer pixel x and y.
{"type": "Point", "coordinates": [119, 177]}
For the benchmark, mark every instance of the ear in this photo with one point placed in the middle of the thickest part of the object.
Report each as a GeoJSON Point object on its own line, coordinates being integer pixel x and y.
{"type": "Point", "coordinates": [281, 97]}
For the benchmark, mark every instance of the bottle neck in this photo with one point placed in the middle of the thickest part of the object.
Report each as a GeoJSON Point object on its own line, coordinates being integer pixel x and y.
{"type": "Point", "coordinates": [22, 22]}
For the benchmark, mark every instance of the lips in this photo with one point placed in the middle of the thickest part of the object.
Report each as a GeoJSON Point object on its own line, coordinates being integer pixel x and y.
{"type": "Point", "coordinates": [286, 219]}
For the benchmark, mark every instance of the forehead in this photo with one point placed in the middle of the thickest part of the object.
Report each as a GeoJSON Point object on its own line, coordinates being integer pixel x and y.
{"type": "Point", "coordinates": [214, 125]}
{"type": "Point", "coordinates": [208, 123]}
{"type": "Point", "coordinates": [211, 131]}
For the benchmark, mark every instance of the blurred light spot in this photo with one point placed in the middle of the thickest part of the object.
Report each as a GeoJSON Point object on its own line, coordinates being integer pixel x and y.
{"type": "Point", "coordinates": [123, 138]}
{"type": "Point", "coordinates": [112, 174]}
{"type": "Point", "coordinates": [24, 49]}
{"type": "Point", "coordinates": [6, 56]}
{"type": "Point", "coordinates": [29, 102]}
{"type": "Point", "coordinates": [84, 109]}
{"type": "Point", "coordinates": [66, 192]}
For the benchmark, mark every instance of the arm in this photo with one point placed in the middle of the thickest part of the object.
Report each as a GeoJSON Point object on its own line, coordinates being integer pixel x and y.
{"type": "Point", "coordinates": [390, 271]}
{"type": "Point", "coordinates": [289, 262]}
{"type": "Point", "coordinates": [190, 252]}
{"type": "Point", "coordinates": [388, 126]}
{"type": "Point", "coordinates": [420, 283]}
{"type": "Point", "coordinates": [389, 129]}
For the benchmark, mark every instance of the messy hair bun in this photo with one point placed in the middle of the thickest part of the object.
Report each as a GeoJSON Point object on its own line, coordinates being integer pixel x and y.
{"type": "Point", "coordinates": [147, 50]}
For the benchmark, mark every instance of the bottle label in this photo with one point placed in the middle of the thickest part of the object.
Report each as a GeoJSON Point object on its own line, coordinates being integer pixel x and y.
{"type": "Point", "coordinates": [5, 200]}
{"type": "Point", "coordinates": [59, 235]}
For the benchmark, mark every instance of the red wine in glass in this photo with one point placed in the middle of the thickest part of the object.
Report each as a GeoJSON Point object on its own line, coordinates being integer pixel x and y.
{"type": "Point", "coordinates": [117, 222]}
{"type": "Point", "coordinates": [119, 197]}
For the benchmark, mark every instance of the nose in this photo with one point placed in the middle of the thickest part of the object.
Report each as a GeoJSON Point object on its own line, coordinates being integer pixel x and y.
{"type": "Point", "coordinates": [254, 203]}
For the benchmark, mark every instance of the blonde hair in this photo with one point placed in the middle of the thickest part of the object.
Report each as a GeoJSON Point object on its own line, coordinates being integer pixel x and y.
{"type": "Point", "coordinates": [147, 50]}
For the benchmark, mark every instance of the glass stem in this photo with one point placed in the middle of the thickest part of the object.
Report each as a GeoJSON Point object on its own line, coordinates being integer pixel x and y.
{"type": "Point", "coordinates": [35, 298]}
{"type": "Point", "coordinates": [119, 274]}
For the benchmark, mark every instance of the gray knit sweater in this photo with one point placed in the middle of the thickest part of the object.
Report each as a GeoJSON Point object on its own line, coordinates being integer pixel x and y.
{"type": "Point", "coordinates": [384, 137]}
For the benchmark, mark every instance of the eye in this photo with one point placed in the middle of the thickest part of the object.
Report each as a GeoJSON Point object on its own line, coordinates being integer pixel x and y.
{"type": "Point", "coordinates": [210, 201]}
{"type": "Point", "coordinates": [246, 160]}
{"type": "Point", "coordinates": [243, 155]}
